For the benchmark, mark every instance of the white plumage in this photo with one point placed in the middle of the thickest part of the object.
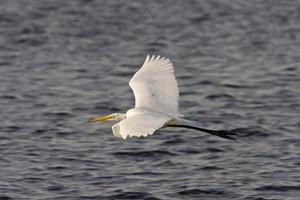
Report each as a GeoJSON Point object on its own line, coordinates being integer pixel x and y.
{"type": "Point", "coordinates": [156, 98]}
{"type": "Point", "coordinates": [141, 125]}
{"type": "Point", "coordinates": [156, 103]}
{"type": "Point", "coordinates": [155, 87]}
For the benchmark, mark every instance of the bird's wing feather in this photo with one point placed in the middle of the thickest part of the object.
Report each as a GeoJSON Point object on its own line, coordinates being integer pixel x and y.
{"type": "Point", "coordinates": [139, 125]}
{"type": "Point", "coordinates": [155, 87]}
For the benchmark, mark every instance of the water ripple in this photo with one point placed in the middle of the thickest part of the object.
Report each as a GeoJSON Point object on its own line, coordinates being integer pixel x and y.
{"type": "Point", "coordinates": [62, 62]}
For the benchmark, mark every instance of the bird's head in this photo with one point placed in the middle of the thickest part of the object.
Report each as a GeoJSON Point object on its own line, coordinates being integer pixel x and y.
{"type": "Point", "coordinates": [111, 117]}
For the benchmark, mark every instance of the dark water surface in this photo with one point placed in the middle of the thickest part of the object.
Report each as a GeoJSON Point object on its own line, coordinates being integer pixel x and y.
{"type": "Point", "coordinates": [238, 66]}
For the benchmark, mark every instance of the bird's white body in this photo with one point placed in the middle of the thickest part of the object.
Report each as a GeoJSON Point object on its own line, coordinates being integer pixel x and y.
{"type": "Point", "coordinates": [141, 111]}
{"type": "Point", "coordinates": [140, 122]}
{"type": "Point", "coordinates": [156, 99]}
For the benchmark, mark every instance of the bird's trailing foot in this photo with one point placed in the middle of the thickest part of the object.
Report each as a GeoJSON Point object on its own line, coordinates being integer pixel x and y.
{"type": "Point", "coordinates": [228, 134]}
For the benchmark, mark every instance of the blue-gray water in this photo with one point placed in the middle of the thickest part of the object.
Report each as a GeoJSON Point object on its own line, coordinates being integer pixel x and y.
{"type": "Point", "coordinates": [238, 66]}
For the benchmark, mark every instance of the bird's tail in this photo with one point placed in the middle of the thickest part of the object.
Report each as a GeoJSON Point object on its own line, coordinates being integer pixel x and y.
{"type": "Point", "coordinates": [228, 134]}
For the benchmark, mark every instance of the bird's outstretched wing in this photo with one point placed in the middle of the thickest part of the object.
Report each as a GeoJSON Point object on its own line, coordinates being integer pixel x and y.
{"type": "Point", "coordinates": [139, 125]}
{"type": "Point", "coordinates": [155, 87]}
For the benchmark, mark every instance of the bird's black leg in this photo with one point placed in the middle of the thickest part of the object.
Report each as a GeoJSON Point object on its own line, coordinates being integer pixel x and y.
{"type": "Point", "coordinates": [228, 134]}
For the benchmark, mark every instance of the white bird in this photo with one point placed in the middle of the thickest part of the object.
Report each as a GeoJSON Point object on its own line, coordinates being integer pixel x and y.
{"type": "Point", "coordinates": [156, 103]}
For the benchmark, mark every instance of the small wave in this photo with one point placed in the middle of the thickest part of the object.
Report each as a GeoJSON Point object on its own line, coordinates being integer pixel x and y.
{"type": "Point", "coordinates": [64, 133]}
{"type": "Point", "coordinates": [190, 151]}
{"type": "Point", "coordinates": [200, 192]}
{"type": "Point", "coordinates": [59, 114]}
{"type": "Point", "coordinates": [33, 180]}
{"type": "Point", "coordinates": [257, 198]}
{"type": "Point", "coordinates": [8, 96]}
{"type": "Point", "coordinates": [55, 188]}
{"type": "Point", "coordinates": [91, 197]}
{"type": "Point", "coordinates": [148, 173]}
{"type": "Point", "coordinates": [157, 44]}
{"type": "Point", "coordinates": [174, 141]}
{"type": "Point", "coordinates": [238, 86]}
{"type": "Point", "coordinates": [207, 168]}
{"type": "Point", "coordinates": [198, 19]}
{"type": "Point", "coordinates": [5, 197]}
{"type": "Point", "coordinates": [280, 188]}
{"type": "Point", "coordinates": [106, 106]}
{"type": "Point", "coordinates": [122, 74]}
{"type": "Point", "coordinates": [58, 168]}
{"type": "Point", "coordinates": [31, 41]}
{"type": "Point", "coordinates": [133, 195]}
{"type": "Point", "coordinates": [38, 131]}
{"type": "Point", "coordinates": [156, 153]}
{"type": "Point", "coordinates": [252, 131]}
{"type": "Point", "coordinates": [5, 63]}
{"type": "Point", "coordinates": [10, 129]}
{"type": "Point", "coordinates": [205, 82]}
{"type": "Point", "coordinates": [167, 163]}
{"type": "Point", "coordinates": [219, 96]}
{"type": "Point", "coordinates": [214, 150]}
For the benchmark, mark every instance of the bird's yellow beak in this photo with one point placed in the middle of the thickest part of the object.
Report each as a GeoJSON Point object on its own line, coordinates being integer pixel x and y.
{"type": "Point", "coordinates": [101, 118]}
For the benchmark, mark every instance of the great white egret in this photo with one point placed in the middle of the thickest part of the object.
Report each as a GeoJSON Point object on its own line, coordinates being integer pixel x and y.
{"type": "Point", "coordinates": [156, 103]}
